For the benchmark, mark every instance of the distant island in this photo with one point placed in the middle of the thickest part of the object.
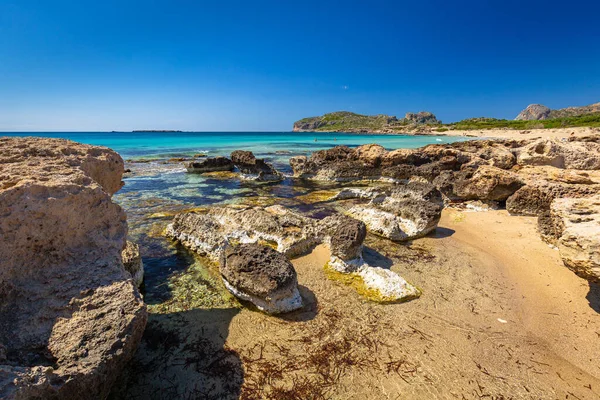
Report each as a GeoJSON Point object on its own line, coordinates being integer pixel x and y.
{"type": "Point", "coordinates": [155, 130]}
{"type": "Point", "coordinates": [535, 116]}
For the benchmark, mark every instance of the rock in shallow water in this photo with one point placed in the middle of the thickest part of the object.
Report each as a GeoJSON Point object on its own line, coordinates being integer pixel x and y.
{"type": "Point", "coordinates": [254, 168]}
{"type": "Point", "coordinates": [132, 261]}
{"type": "Point", "coordinates": [261, 275]}
{"type": "Point", "coordinates": [210, 165]}
{"type": "Point", "coordinates": [71, 316]}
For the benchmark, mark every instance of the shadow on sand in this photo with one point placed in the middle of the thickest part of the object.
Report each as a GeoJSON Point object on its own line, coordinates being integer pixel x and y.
{"type": "Point", "coordinates": [593, 296]}
{"type": "Point", "coordinates": [183, 356]}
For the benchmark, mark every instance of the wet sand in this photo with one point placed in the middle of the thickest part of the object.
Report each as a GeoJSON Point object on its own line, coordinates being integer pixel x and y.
{"type": "Point", "coordinates": [500, 317]}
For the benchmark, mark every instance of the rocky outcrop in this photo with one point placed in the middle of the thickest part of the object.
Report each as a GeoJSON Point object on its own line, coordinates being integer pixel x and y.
{"type": "Point", "coordinates": [540, 112]}
{"type": "Point", "coordinates": [402, 213]}
{"type": "Point", "coordinates": [536, 197]}
{"type": "Point", "coordinates": [132, 261]}
{"type": "Point", "coordinates": [422, 117]}
{"type": "Point", "coordinates": [485, 183]}
{"type": "Point", "coordinates": [573, 225]}
{"type": "Point", "coordinates": [571, 155]}
{"type": "Point", "coordinates": [212, 164]}
{"type": "Point", "coordinates": [263, 276]}
{"type": "Point", "coordinates": [534, 112]}
{"type": "Point", "coordinates": [292, 234]}
{"type": "Point", "coordinates": [210, 234]}
{"type": "Point", "coordinates": [253, 168]}
{"type": "Point", "coordinates": [71, 316]}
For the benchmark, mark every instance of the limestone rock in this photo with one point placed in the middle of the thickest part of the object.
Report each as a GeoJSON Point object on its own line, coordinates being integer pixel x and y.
{"type": "Point", "coordinates": [132, 261]}
{"type": "Point", "coordinates": [408, 212]}
{"type": "Point", "coordinates": [534, 112]}
{"type": "Point", "coordinates": [572, 155]}
{"type": "Point", "coordinates": [254, 168]}
{"type": "Point", "coordinates": [486, 183]}
{"type": "Point", "coordinates": [263, 276]}
{"type": "Point", "coordinates": [71, 316]}
{"type": "Point", "coordinates": [536, 197]}
{"type": "Point", "coordinates": [210, 165]}
{"type": "Point", "coordinates": [574, 227]}
{"type": "Point", "coordinates": [346, 236]}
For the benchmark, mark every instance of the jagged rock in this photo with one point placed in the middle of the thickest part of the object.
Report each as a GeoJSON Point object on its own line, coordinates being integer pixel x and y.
{"type": "Point", "coordinates": [571, 155]}
{"type": "Point", "coordinates": [407, 212]}
{"type": "Point", "coordinates": [210, 165]}
{"type": "Point", "coordinates": [369, 154]}
{"type": "Point", "coordinates": [573, 225]}
{"type": "Point", "coordinates": [534, 112]}
{"type": "Point", "coordinates": [346, 236]}
{"type": "Point", "coordinates": [210, 234]}
{"type": "Point", "coordinates": [71, 317]}
{"type": "Point", "coordinates": [486, 183]}
{"type": "Point", "coordinates": [132, 261]}
{"type": "Point", "coordinates": [536, 197]}
{"type": "Point", "coordinates": [263, 276]}
{"type": "Point", "coordinates": [254, 168]}
{"type": "Point", "coordinates": [422, 117]}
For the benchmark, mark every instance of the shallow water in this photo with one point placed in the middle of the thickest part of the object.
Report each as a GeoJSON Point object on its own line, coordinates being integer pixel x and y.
{"type": "Point", "coordinates": [158, 186]}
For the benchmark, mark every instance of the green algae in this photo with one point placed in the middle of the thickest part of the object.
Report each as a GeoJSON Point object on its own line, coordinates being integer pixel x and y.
{"type": "Point", "coordinates": [356, 282]}
{"type": "Point", "coordinates": [200, 286]}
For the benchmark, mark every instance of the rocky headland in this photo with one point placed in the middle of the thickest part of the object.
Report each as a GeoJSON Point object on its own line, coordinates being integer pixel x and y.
{"type": "Point", "coordinates": [71, 315]}
{"type": "Point", "coordinates": [534, 121]}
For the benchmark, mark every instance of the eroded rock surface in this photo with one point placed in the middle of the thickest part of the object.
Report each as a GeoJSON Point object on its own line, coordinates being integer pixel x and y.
{"type": "Point", "coordinates": [223, 228]}
{"type": "Point", "coordinates": [573, 225]}
{"type": "Point", "coordinates": [254, 168]}
{"type": "Point", "coordinates": [405, 212]}
{"type": "Point", "coordinates": [212, 164]}
{"type": "Point", "coordinates": [261, 275]}
{"type": "Point", "coordinates": [71, 316]}
{"type": "Point", "coordinates": [132, 261]}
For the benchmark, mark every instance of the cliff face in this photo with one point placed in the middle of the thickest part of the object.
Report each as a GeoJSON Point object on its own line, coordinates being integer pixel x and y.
{"type": "Point", "coordinates": [541, 112]}
{"type": "Point", "coordinates": [71, 316]}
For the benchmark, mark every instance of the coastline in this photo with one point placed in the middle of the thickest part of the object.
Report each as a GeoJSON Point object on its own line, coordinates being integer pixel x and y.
{"type": "Point", "coordinates": [557, 133]}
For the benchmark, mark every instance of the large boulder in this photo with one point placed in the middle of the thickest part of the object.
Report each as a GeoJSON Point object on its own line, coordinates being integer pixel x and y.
{"type": "Point", "coordinates": [536, 197]}
{"type": "Point", "coordinates": [534, 112]}
{"type": "Point", "coordinates": [254, 168]}
{"type": "Point", "coordinates": [263, 276]}
{"type": "Point", "coordinates": [71, 316]}
{"type": "Point", "coordinates": [573, 225]}
{"type": "Point", "coordinates": [486, 183]}
{"type": "Point", "coordinates": [346, 236]}
{"type": "Point", "coordinates": [407, 212]}
{"type": "Point", "coordinates": [211, 164]}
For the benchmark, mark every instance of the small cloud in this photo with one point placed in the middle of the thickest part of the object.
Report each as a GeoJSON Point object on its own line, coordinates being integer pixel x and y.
{"type": "Point", "coordinates": [345, 87]}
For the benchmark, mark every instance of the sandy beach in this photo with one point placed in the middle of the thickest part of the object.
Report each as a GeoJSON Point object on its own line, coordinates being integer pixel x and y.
{"type": "Point", "coordinates": [558, 133]}
{"type": "Point", "coordinates": [500, 317]}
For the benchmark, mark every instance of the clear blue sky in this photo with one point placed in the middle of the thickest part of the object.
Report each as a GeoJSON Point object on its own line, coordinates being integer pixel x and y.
{"type": "Point", "coordinates": [260, 65]}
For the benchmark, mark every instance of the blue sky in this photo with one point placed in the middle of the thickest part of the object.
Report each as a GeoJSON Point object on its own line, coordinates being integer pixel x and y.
{"type": "Point", "coordinates": [260, 65]}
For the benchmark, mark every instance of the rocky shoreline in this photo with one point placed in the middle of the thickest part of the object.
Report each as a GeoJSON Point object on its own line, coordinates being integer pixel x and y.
{"type": "Point", "coordinates": [69, 277]}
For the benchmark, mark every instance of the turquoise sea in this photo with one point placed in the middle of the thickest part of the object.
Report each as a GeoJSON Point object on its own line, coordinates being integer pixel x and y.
{"type": "Point", "coordinates": [158, 186]}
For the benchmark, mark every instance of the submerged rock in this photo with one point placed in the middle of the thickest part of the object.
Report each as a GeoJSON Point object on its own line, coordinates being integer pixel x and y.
{"type": "Point", "coordinates": [212, 164]}
{"type": "Point", "coordinates": [71, 316]}
{"type": "Point", "coordinates": [263, 276]}
{"type": "Point", "coordinates": [573, 225]}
